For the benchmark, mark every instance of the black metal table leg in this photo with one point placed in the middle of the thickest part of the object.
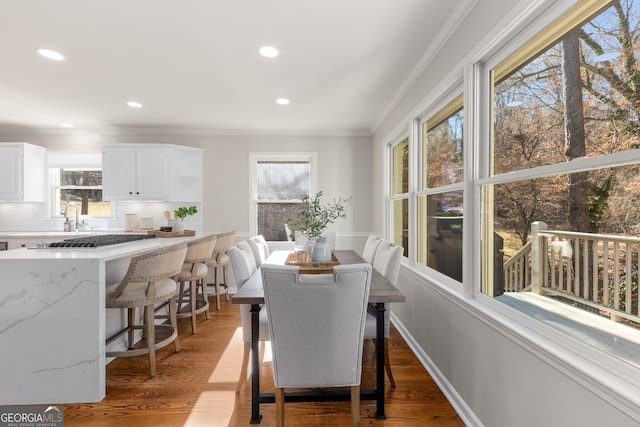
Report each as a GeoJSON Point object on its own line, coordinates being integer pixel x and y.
{"type": "Point", "coordinates": [255, 364]}
{"type": "Point", "coordinates": [380, 343]}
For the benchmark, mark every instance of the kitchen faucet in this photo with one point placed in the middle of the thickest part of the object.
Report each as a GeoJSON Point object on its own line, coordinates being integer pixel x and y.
{"type": "Point", "coordinates": [66, 213]}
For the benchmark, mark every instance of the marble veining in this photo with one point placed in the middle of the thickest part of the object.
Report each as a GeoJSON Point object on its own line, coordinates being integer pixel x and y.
{"type": "Point", "coordinates": [53, 321]}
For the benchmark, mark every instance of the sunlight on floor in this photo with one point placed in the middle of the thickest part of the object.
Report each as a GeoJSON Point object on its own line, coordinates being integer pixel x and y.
{"type": "Point", "coordinates": [213, 408]}
{"type": "Point", "coordinates": [228, 367]}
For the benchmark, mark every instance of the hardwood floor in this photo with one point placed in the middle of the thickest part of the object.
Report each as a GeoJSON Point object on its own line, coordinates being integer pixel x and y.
{"type": "Point", "coordinates": [196, 387]}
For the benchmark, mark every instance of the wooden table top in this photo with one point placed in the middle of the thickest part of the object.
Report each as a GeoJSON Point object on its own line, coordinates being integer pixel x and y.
{"type": "Point", "coordinates": [381, 289]}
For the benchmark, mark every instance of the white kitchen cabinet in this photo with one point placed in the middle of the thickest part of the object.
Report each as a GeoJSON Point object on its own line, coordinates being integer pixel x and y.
{"type": "Point", "coordinates": [152, 172]}
{"type": "Point", "coordinates": [134, 173]}
{"type": "Point", "coordinates": [22, 169]}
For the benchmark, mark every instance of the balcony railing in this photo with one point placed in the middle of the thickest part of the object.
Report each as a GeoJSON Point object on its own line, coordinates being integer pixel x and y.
{"type": "Point", "coordinates": [596, 271]}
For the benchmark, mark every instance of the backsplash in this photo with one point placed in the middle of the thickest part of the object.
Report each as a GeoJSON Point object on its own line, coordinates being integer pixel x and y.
{"type": "Point", "coordinates": [17, 217]}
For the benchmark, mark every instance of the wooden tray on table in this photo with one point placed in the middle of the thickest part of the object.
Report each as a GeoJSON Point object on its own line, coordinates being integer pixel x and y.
{"type": "Point", "coordinates": [300, 259]}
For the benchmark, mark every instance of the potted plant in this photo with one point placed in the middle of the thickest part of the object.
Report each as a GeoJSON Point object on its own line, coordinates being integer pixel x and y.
{"type": "Point", "coordinates": [312, 219]}
{"type": "Point", "coordinates": [180, 214]}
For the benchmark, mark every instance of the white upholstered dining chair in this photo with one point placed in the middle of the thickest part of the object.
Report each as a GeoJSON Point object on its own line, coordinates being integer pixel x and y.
{"type": "Point", "coordinates": [244, 266]}
{"type": "Point", "coordinates": [260, 249]}
{"type": "Point", "coordinates": [317, 329]}
{"type": "Point", "coordinates": [387, 260]}
{"type": "Point", "coordinates": [147, 282]}
{"type": "Point", "coordinates": [369, 250]}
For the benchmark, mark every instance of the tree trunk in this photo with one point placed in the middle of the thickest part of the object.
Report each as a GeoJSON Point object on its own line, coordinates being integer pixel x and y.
{"type": "Point", "coordinates": [574, 132]}
{"type": "Point", "coordinates": [575, 145]}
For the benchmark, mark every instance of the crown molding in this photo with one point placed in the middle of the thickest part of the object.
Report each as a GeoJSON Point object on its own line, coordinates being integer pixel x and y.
{"type": "Point", "coordinates": [162, 131]}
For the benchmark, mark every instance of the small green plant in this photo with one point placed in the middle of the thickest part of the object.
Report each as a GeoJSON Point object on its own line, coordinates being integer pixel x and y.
{"type": "Point", "coordinates": [183, 211]}
{"type": "Point", "coordinates": [313, 217]}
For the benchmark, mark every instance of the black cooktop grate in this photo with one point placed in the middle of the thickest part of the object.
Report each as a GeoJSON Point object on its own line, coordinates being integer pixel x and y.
{"type": "Point", "coordinates": [97, 241]}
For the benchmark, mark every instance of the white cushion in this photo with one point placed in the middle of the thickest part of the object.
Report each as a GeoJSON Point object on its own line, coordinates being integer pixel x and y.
{"type": "Point", "coordinates": [243, 264]}
{"type": "Point", "coordinates": [192, 272]}
{"type": "Point", "coordinates": [135, 294]}
{"type": "Point", "coordinates": [370, 246]}
{"type": "Point", "coordinates": [316, 327]}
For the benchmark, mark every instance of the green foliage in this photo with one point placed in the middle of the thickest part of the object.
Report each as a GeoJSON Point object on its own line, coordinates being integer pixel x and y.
{"type": "Point", "coordinates": [313, 217]}
{"type": "Point", "coordinates": [598, 202]}
{"type": "Point", "coordinates": [183, 211]}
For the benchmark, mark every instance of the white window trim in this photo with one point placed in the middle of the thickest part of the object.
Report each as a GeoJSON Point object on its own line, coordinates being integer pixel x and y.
{"type": "Point", "coordinates": [255, 157]}
{"type": "Point", "coordinates": [69, 159]}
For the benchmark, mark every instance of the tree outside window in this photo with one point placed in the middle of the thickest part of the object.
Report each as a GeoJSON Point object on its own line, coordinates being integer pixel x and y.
{"type": "Point", "coordinates": [575, 99]}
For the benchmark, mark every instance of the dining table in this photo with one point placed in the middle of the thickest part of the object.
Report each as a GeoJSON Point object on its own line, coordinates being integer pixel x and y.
{"type": "Point", "coordinates": [381, 292]}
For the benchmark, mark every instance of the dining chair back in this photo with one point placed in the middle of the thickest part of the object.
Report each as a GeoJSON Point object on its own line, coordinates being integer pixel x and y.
{"type": "Point", "coordinates": [369, 250]}
{"type": "Point", "coordinates": [244, 266]}
{"type": "Point", "coordinates": [317, 328]}
{"type": "Point", "coordinates": [387, 260]}
{"type": "Point", "coordinates": [260, 249]}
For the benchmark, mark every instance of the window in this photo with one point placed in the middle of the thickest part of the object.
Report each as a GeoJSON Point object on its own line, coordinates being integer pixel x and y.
{"type": "Point", "coordinates": [280, 182]}
{"type": "Point", "coordinates": [400, 194]}
{"type": "Point", "coordinates": [564, 164]}
{"type": "Point", "coordinates": [440, 204]}
{"type": "Point", "coordinates": [75, 179]}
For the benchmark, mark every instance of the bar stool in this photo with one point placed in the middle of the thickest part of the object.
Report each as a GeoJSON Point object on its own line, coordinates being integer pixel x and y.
{"type": "Point", "coordinates": [147, 282]}
{"type": "Point", "coordinates": [192, 278]}
{"type": "Point", "coordinates": [220, 264]}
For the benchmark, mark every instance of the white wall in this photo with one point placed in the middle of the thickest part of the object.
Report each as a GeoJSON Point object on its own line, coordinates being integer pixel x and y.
{"type": "Point", "coordinates": [496, 365]}
{"type": "Point", "coordinates": [226, 176]}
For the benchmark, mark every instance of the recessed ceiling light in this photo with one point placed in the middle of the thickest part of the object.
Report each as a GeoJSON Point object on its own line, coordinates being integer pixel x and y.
{"type": "Point", "coordinates": [134, 104]}
{"type": "Point", "coordinates": [67, 125]}
{"type": "Point", "coordinates": [50, 54]}
{"type": "Point", "coordinates": [268, 51]}
{"type": "Point", "coordinates": [282, 101]}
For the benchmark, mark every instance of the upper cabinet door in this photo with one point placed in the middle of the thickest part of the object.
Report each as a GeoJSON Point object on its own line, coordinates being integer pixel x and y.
{"type": "Point", "coordinates": [22, 169]}
{"type": "Point", "coordinates": [152, 174]}
{"type": "Point", "coordinates": [118, 173]}
{"type": "Point", "coordinates": [11, 173]}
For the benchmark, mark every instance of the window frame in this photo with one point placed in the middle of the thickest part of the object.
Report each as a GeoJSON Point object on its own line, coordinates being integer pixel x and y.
{"type": "Point", "coordinates": [255, 157]}
{"type": "Point", "coordinates": [450, 101]}
{"type": "Point", "coordinates": [70, 160]}
{"type": "Point", "coordinates": [394, 197]}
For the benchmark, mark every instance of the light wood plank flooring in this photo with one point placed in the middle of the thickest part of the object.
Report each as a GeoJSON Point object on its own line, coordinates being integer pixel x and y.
{"type": "Point", "coordinates": [196, 387]}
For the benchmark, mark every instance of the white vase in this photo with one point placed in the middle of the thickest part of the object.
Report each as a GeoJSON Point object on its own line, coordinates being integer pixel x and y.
{"type": "Point", "coordinates": [178, 226]}
{"type": "Point", "coordinates": [320, 252]}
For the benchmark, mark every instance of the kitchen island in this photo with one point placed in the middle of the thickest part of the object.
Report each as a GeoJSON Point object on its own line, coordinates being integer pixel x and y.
{"type": "Point", "coordinates": [53, 320]}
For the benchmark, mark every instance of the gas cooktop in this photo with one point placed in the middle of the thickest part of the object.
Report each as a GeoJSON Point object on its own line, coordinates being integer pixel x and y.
{"type": "Point", "coordinates": [97, 241]}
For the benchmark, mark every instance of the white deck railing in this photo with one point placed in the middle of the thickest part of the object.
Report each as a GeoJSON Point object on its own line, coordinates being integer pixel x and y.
{"type": "Point", "coordinates": [517, 270]}
{"type": "Point", "coordinates": [596, 270]}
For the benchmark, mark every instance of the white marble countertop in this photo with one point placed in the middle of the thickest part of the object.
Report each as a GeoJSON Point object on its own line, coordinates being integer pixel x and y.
{"type": "Point", "coordinates": [54, 322]}
{"type": "Point", "coordinates": [59, 233]}
{"type": "Point", "coordinates": [104, 253]}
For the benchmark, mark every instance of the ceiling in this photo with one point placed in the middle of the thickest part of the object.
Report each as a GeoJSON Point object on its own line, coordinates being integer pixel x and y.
{"type": "Point", "coordinates": [195, 64]}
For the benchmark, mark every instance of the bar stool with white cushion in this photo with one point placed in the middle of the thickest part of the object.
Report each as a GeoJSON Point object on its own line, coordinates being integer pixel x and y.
{"type": "Point", "coordinates": [388, 257]}
{"type": "Point", "coordinates": [192, 278]}
{"type": "Point", "coordinates": [147, 282]}
{"type": "Point", "coordinates": [219, 263]}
